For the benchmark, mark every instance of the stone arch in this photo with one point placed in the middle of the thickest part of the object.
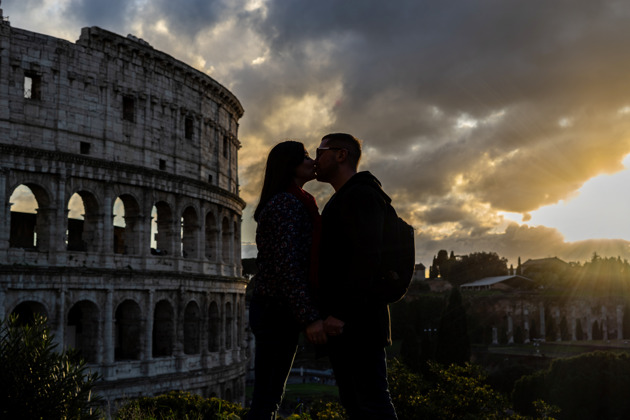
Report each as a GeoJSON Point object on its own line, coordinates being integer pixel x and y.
{"type": "Point", "coordinates": [82, 329]}
{"type": "Point", "coordinates": [84, 229]}
{"type": "Point", "coordinates": [189, 233]}
{"type": "Point", "coordinates": [27, 311]}
{"type": "Point", "coordinates": [214, 327]}
{"type": "Point", "coordinates": [162, 223]}
{"type": "Point", "coordinates": [229, 318]}
{"type": "Point", "coordinates": [226, 240]}
{"type": "Point", "coordinates": [211, 236]}
{"type": "Point", "coordinates": [126, 222]}
{"type": "Point", "coordinates": [128, 331]}
{"type": "Point", "coordinates": [31, 217]}
{"type": "Point", "coordinates": [192, 324]}
{"type": "Point", "coordinates": [163, 329]}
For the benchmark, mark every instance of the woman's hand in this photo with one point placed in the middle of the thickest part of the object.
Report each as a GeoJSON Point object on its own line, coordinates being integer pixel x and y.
{"type": "Point", "coordinates": [333, 326]}
{"type": "Point", "coordinates": [315, 332]}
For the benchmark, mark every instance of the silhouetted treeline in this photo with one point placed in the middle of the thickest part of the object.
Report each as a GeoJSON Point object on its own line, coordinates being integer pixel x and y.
{"type": "Point", "coordinates": [466, 268]}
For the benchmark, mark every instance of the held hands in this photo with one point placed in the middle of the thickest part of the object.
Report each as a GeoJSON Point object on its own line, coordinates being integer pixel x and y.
{"type": "Point", "coordinates": [315, 332]}
{"type": "Point", "coordinates": [333, 326]}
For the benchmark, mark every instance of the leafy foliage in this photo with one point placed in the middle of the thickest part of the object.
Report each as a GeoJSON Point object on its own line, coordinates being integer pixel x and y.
{"type": "Point", "coordinates": [327, 410]}
{"type": "Point", "coordinates": [590, 386]}
{"type": "Point", "coordinates": [180, 405]}
{"type": "Point", "coordinates": [36, 382]}
{"type": "Point", "coordinates": [453, 392]}
{"type": "Point", "coordinates": [476, 266]}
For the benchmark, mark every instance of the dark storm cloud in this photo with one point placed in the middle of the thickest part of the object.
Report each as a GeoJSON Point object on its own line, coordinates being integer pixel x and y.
{"type": "Point", "coordinates": [111, 14]}
{"type": "Point", "coordinates": [189, 17]}
{"type": "Point", "coordinates": [399, 61]}
{"type": "Point", "coordinates": [466, 108]}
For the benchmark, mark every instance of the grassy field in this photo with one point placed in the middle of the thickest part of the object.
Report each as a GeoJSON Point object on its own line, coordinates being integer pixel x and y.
{"type": "Point", "coordinates": [561, 349]}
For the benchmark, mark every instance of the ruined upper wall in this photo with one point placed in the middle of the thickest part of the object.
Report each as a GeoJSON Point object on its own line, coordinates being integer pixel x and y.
{"type": "Point", "coordinates": [117, 99]}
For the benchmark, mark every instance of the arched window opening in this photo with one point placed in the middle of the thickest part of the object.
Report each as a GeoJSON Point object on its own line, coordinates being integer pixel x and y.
{"type": "Point", "coordinates": [126, 225]}
{"type": "Point", "coordinates": [23, 218]}
{"type": "Point", "coordinates": [211, 236]}
{"type": "Point", "coordinates": [27, 311]}
{"type": "Point", "coordinates": [228, 394]}
{"type": "Point", "coordinates": [82, 331]}
{"type": "Point", "coordinates": [128, 330]}
{"type": "Point", "coordinates": [228, 325]}
{"type": "Point", "coordinates": [163, 329]}
{"type": "Point", "coordinates": [189, 233]}
{"type": "Point", "coordinates": [161, 229]}
{"type": "Point", "coordinates": [214, 325]}
{"type": "Point", "coordinates": [74, 234]}
{"type": "Point", "coordinates": [226, 240]}
{"type": "Point", "coordinates": [192, 322]}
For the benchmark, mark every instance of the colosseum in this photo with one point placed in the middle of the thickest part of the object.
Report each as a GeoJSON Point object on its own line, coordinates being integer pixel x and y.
{"type": "Point", "coordinates": [121, 214]}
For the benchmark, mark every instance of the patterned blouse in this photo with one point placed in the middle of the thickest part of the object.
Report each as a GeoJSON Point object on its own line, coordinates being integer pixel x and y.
{"type": "Point", "coordinates": [284, 237]}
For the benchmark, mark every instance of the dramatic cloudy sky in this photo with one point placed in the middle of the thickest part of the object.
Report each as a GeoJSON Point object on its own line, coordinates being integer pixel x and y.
{"type": "Point", "coordinates": [494, 125]}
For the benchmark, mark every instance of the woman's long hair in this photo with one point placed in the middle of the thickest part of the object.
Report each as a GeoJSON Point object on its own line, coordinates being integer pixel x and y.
{"type": "Point", "coordinates": [282, 161]}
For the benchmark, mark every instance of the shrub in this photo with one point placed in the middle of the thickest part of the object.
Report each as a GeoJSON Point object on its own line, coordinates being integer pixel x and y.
{"type": "Point", "coordinates": [588, 386]}
{"type": "Point", "coordinates": [180, 405]}
{"type": "Point", "coordinates": [36, 382]}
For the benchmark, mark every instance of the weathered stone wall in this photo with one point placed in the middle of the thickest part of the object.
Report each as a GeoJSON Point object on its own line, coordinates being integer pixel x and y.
{"type": "Point", "coordinates": [110, 118]}
{"type": "Point", "coordinates": [528, 316]}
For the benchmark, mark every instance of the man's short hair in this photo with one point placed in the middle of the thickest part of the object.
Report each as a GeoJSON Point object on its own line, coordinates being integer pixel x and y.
{"type": "Point", "coordinates": [348, 142]}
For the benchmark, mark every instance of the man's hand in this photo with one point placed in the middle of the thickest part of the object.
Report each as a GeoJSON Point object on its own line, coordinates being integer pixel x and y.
{"type": "Point", "coordinates": [333, 326]}
{"type": "Point", "coordinates": [315, 332]}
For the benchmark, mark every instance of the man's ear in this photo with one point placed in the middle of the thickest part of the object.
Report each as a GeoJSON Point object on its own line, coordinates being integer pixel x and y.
{"type": "Point", "coordinates": [342, 156]}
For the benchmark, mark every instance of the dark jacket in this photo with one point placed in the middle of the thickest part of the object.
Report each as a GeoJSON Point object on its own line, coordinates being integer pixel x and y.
{"type": "Point", "coordinates": [350, 259]}
{"type": "Point", "coordinates": [283, 237]}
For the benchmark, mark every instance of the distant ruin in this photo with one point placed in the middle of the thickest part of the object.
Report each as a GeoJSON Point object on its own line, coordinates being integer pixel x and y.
{"type": "Point", "coordinates": [132, 248]}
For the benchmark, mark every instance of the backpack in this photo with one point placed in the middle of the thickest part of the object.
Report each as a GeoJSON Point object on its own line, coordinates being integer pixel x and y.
{"type": "Point", "coordinates": [399, 257]}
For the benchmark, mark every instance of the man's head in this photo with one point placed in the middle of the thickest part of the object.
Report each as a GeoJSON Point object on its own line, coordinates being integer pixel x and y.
{"type": "Point", "coordinates": [338, 157]}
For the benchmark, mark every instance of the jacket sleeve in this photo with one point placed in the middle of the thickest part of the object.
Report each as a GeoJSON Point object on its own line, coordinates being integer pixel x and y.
{"type": "Point", "coordinates": [289, 234]}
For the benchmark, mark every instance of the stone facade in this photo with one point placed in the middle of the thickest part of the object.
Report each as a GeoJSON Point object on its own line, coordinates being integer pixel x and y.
{"type": "Point", "coordinates": [156, 302]}
{"type": "Point", "coordinates": [524, 317]}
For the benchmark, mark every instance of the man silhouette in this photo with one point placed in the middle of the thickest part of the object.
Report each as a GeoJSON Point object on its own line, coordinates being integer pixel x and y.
{"type": "Point", "coordinates": [356, 319]}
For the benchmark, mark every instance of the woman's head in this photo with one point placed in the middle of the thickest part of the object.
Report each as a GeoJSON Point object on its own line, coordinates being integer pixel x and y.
{"type": "Point", "coordinates": [287, 162]}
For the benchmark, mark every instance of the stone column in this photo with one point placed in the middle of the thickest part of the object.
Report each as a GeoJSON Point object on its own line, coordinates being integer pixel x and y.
{"type": "Point", "coordinates": [60, 223]}
{"type": "Point", "coordinates": [205, 327]}
{"type": "Point", "coordinates": [46, 231]}
{"type": "Point", "coordinates": [3, 293]}
{"type": "Point", "coordinates": [5, 209]}
{"type": "Point", "coordinates": [93, 225]}
{"type": "Point", "coordinates": [223, 313]}
{"type": "Point", "coordinates": [142, 236]}
{"type": "Point", "coordinates": [61, 312]}
{"type": "Point", "coordinates": [108, 335]}
{"type": "Point", "coordinates": [558, 321]}
{"type": "Point", "coordinates": [107, 219]}
{"type": "Point", "coordinates": [148, 332]}
{"type": "Point", "coordinates": [526, 325]}
{"type": "Point", "coordinates": [495, 336]}
{"type": "Point", "coordinates": [510, 329]}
